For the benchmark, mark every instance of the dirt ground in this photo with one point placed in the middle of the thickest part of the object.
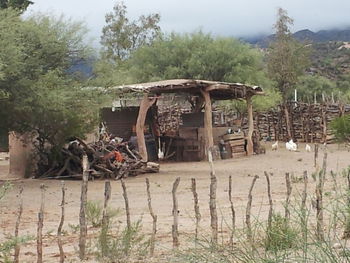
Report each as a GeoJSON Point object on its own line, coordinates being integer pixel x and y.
{"type": "Point", "coordinates": [242, 169]}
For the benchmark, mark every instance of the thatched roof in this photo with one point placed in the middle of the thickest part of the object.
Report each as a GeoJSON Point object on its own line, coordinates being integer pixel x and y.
{"type": "Point", "coordinates": [218, 90]}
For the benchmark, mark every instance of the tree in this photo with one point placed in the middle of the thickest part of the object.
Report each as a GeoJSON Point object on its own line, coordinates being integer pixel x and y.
{"type": "Point", "coordinates": [197, 56]}
{"type": "Point", "coordinates": [309, 86]}
{"type": "Point", "coordinates": [121, 36]}
{"type": "Point", "coordinates": [40, 96]}
{"type": "Point", "coordinates": [287, 60]}
{"type": "Point", "coordinates": [19, 5]}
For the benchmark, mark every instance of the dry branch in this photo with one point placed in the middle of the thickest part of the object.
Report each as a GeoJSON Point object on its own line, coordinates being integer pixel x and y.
{"type": "Point", "coordinates": [289, 192]}
{"type": "Point", "coordinates": [233, 212]}
{"type": "Point", "coordinates": [212, 200]}
{"type": "Point", "coordinates": [269, 220]}
{"type": "Point", "coordinates": [196, 206]}
{"type": "Point", "coordinates": [40, 225]}
{"type": "Point", "coordinates": [175, 232]}
{"type": "Point", "coordinates": [127, 208]}
{"type": "Point", "coordinates": [59, 230]}
{"type": "Point", "coordinates": [82, 215]}
{"type": "Point", "coordinates": [319, 199]}
{"type": "Point", "coordinates": [107, 196]}
{"type": "Point", "coordinates": [248, 211]}
{"type": "Point", "coordinates": [154, 218]}
{"type": "Point", "coordinates": [18, 221]}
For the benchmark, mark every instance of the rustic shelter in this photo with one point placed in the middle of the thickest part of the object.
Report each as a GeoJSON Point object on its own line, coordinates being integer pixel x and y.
{"type": "Point", "coordinates": [202, 93]}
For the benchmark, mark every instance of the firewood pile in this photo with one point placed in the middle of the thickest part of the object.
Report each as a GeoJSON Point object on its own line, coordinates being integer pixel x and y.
{"type": "Point", "coordinates": [107, 159]}
{"type": "Point", "coordinates": [169, 118]}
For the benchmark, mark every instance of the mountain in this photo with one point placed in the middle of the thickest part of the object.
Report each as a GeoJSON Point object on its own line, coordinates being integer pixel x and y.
{"type": "Point", "coordinates": [305, 35]}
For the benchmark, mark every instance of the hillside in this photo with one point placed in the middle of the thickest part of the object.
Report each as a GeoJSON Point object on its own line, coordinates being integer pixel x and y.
{"type": "Point", "coordinates": [330, 56]}
{"type": "Point", "coordinates": [305, 35]}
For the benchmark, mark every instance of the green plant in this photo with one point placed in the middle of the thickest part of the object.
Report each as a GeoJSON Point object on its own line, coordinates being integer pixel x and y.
{"type": "Point", "coordinates": [124, 246]}
{"type": "Point", "coordinates": [74, 228]}
{"type": "Point", "coordinates": [94, 212]}
{"type": "Point", "coordinates": [281, 235]}
{"type": "Point", "coordinates": [7, 247]}
{"type": "Point", "coordinates": [4, 189]}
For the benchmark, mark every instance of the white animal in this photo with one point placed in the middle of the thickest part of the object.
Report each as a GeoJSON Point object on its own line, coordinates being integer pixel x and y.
{"type": "Point", "coordinates": [275, 146]}
{"type": "Point", "coordinates": [291, 146]}
{"type": "Point", "coordinates": [160, 153]}
{"type": "Point", "coordinates": [308, 148]}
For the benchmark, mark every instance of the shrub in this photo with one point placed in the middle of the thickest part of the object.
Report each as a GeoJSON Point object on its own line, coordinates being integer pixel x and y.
{"type": "Point", "coordinates": [281, 235]}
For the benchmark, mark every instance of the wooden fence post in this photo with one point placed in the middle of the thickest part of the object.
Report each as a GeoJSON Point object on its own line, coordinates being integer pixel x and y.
{"type": "Point", "coordinates": [154, 218]}
{"type": "Point", "coordinates": [269, 219]}
{"type": "Point", "coordinates": [175, 232]}
{"type": "Point", "coordinates": [289, 191]}
{"type": "Point", "coordinates": [107, 196]}
{"type": "Point", "coordinates": [59, 230]}
{"type": "Point", "coordinates": [83, 202]}
{"type": "Point", "coordinates": [212, 200]}
{"type": "Point", "coordinates": [248, 211]}
{"type": "Point", "coordinates": [319, 199]}
{"type": "Point", "coordinates": [196, 207]}
{"type": "Point", "coordinates": [233, 212]}
{"type": "Point", "coordinates": [18, 221]}
{"type": "Point", "coordinates": [39, 240]}
{"type": "Point", "coordinates": [127, 209]}
{"type": "Point", "coordinates": [316, 155]}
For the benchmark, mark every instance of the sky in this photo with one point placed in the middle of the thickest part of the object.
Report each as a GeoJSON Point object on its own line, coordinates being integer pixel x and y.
{"type": "Point", "coordinates": [235, 18]}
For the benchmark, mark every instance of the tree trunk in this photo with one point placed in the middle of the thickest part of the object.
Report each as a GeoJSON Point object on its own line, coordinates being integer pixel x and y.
{"type": "Point", "coordinates": [250, 148]}
{"type": "Point", "coordinates": [146, 103]}
{"type": "Point", "coordinates": [208, 125]}
{"type": "Point", "coordinates": [286, 115]}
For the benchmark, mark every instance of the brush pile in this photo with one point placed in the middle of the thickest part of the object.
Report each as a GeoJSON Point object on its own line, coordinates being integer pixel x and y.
{"type": "Point", "coordinates": [107, 159]}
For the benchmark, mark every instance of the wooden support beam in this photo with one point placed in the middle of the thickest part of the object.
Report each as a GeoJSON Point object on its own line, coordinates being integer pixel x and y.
{"type": "Point", "coordinates": [250, 150]}
{"type": "Point", "coordinates": [208, 125]}
{"type": "Point", "coordinates": [145, 104]}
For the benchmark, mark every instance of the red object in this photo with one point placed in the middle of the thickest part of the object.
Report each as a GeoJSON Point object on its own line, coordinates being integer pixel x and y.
{"type": "Point", "coordinates": [118, 156]}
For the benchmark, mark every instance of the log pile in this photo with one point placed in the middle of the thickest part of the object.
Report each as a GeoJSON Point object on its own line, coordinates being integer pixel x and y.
{"type": "Point", "coordinates": [107, 159]}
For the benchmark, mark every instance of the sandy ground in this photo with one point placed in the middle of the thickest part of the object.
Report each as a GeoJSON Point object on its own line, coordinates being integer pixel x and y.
{"type": "Point", "coordinates": [242, 169]}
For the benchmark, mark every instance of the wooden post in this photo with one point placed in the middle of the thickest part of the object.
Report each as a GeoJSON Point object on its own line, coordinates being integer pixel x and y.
{"type": "Point", "coordinates": [250, 149]}
{"type": "Point", "coordinates": [154, 218]}
{"type": "Point", "coordinates": [107, 196]}
{"type": "Point", "coordinates": [175, 232]}
{"type": "Point", "coordinates": [18, 221]}
{"type": "Point", "coordinates": [208, 122]}
{"type": "Point", "coordinates": [146, 103]}
{"type": "Point", "coordinates": [212, 200]}
{"type": "Point", "coordinates": [269, 219]}
{"type": "Point", "coordinates": [127, 208]}
{"type": "Point", "coordinates": [316, 156]}
{"type": "Point", "coordinates": [289, 192]}
{"type": "Point", "coordinates": [319, 199]}
{"type": "Point", "coordinates": [59, 230]}
{"type": "Point", "coordinates": [233, 212]}
{"type": "Point", "coordinates": [82, 214]}
{"type": "Point", "coordinates": [196, 207]}
{"type": "Point", "coordinates": [39, 240]}
{"type": "Point", "coordinates": [248, 211]}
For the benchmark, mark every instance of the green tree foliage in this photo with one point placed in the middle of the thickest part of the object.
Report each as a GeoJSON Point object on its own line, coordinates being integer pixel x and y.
{"type": "Point", "coordinates": [287, 59]}
{"type": "Point", "coordinates": [197, 56]}
{"type": "Point", "coordinates": [40, 96]}
{"type": "Point", "coordinates": [202, 56]}
{"type": "Point", "coordinates": [19, 5]}
{"type": "Point", "coordinates": [121, 36]}
{"type": "Point", "coordinates": [341, 128]}
{"type": "Point", "coordinates": [309, 85]}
